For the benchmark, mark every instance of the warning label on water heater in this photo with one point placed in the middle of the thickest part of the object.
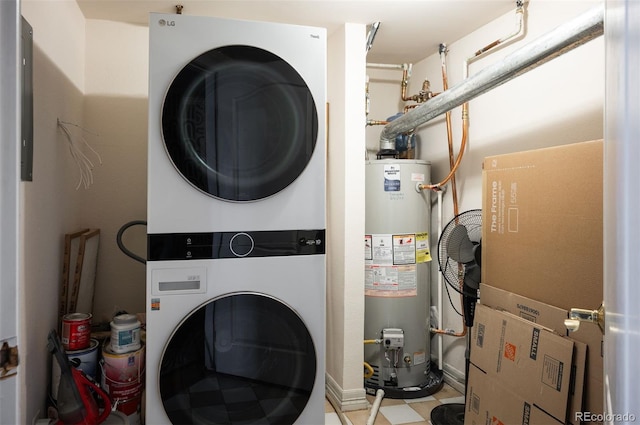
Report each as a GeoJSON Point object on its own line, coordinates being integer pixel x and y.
{"type": "Point", "coordinates": [404, 249]}
{"type": "Point", "coordinates": [423, 254]}
{"type": "Point", "coordinates": [391, 263]}
{"type": "Point", "coordinates": [379, 249]}
{"type": "Point", "coordinates": [391, 178]}
{"type": "Point", "coordinates": [389, 249]}
{"type": "Point", "coordinates": [391, 281]}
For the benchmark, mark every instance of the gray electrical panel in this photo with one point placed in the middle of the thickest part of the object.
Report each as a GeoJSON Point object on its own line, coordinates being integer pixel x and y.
{"type": "Point", "coordinates": [26, 138]}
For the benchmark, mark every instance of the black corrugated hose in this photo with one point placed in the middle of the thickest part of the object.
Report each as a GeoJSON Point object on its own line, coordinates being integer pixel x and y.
{"type": "Point", "coordinates": [124, 248]}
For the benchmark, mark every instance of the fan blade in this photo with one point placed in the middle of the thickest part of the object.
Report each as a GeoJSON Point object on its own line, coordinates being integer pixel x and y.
{"type": "Point", "coordinates": [459, 246]}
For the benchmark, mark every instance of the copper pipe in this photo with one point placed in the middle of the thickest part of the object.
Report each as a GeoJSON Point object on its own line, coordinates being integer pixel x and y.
{"type": "Point", "coordinates": [465, 106]}
{"type": "Point", "coordinates": [512, 36]}
{"type": "Point", "coordinates": [445, 86]}
{"type": "Point", "coordinates": [408, 107]}
{"type": "Point", "coordinates": [463, 144]}
{"type": "Point", "coordinates": [462, 333]}
{"type": "Point", "coordinates": [422, 96]}
{"type": "Point", "coordinates": [549, 46]}
{"type": "Point", "coordinates": [487, 47]}
{"type": "Point", "coordinates": [377, 122]}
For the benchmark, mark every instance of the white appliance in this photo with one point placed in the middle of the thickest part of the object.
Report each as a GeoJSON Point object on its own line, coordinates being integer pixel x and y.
{"type": "Point", "coordinates": [236, 222]}
{"type": "Point", "coordinates": [236, 341]}
{"type": "Point", "coordinates": [236, 117]}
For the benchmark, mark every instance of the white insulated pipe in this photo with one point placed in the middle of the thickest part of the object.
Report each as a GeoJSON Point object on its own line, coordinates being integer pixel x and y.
{"type": "Point", "coordinates": [386, 65]}
{"type": "Point", "coordinates": [375, 407]}
{"type": "Point", "coordinates": [564, 38]}
{"type": "Point", "coordinates": [440, 284]}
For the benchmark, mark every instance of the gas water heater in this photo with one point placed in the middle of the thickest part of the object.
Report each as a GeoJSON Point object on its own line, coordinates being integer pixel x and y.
{"type": "Point", "coordinates": [397, 279]}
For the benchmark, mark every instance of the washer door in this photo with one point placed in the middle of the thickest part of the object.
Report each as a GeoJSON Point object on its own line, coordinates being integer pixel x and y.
{"type": "Point", "coordinates": [239, 123]}
{"type": "Point", "coordinates": [239, 359]}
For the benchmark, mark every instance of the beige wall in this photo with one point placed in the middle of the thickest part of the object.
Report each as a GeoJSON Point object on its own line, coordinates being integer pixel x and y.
{"type": "Point", "coordinates": [50, 203]}
{"type": "Point", "coordinates": [557, 103]}
{"type": "Point", "coordinates": [116, 109]}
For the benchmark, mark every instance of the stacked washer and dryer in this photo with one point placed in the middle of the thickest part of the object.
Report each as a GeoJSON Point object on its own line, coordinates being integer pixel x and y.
{"type": "Point", "coordinates": [236, 222]}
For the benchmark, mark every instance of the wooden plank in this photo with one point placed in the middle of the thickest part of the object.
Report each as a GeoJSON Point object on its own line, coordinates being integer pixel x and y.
{"type": "Point", "coordinates": [81, 299]}
{"type": "Point", "coordinates": [71, 244]}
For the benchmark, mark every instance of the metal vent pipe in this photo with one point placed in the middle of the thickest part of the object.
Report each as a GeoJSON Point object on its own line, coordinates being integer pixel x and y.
{"type": "Point", "coordinates": [566, 37]}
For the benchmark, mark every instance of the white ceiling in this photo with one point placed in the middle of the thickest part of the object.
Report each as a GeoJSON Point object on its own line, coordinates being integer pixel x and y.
{"type": "Point", "coordinates": [409, 30]}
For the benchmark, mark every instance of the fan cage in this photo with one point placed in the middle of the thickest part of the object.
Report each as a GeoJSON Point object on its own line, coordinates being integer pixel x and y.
{"type": "Point", "coordinates": [452, 271]}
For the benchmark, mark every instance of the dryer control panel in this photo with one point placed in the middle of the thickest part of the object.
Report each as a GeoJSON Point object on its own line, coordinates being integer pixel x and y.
{"type": "Point", "coordinates": [216, 245]}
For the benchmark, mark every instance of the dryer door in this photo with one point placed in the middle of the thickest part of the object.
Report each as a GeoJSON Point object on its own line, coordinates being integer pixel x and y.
{"type": "Point", "coordinates": [239, 123]}
{"type": "Point", "coordinates": [240, 359]}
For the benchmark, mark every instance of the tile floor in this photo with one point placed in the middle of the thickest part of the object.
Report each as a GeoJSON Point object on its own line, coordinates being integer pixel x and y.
{"type": "Point", "coordinates": [397, 412]}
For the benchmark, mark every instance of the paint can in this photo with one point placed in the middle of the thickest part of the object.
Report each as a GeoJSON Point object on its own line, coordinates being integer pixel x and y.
{"type": "Point", "coordinates": [122, 377]}
{"type": "Point", "coordinates": [131, 408]}
{"type": "Point", "coordinates": [88, 359]}
{"type": "Point", "coordinates": [116, 418]}
{"type": "Point", "coordinates": [125, 333]}
{"type": "Point", "coordinates": [76, 331]}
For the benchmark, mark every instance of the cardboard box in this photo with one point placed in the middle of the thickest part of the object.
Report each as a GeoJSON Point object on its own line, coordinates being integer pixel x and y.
{"type": "Point", "coordinates": [553, 317]}
{"type": "Point", "coordinates": [526, 358]}
{"type": "Point", "coordinates": [488, 402]}
{"type": "Point", "coordinates": [542, 224]}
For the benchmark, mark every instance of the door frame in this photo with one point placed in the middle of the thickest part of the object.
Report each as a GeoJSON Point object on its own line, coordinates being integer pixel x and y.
{"type": "Point", "coordinates": [10, 244]}
{"type": "Point", "coordinates": [621, 206]}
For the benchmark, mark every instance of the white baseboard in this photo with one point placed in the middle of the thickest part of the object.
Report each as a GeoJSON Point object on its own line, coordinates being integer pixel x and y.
{"type": "Point", "coordinates": [454, 377]}
{"type": "Point", "coordinates": [345, 400]}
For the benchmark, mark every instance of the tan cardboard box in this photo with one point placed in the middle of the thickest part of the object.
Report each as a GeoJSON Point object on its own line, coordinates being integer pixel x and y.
{"type": "Point", "coordinates": [588, 374]}
{"type": "Point", "coordinates": [489, 402]}
{"type": "Point", "coordinates": [528, 359]}
{"type": "Point", "coordinates": [542, 224]}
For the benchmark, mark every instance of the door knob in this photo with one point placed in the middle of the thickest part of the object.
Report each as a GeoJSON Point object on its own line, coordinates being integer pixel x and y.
{"type": "Point", "coordinates": [579, 315]}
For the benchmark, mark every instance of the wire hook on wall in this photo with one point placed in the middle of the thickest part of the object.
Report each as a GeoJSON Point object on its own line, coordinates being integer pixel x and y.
{"type": "Point", "coordinates": [85, 165]}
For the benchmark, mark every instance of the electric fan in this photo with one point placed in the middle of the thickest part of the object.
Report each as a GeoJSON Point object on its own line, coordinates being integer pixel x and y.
{"type": "Point", "coordinates": [459, 259]}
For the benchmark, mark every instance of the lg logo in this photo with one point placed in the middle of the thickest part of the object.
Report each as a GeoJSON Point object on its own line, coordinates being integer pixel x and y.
{"type": "Point", "coordinates": [164, 23]}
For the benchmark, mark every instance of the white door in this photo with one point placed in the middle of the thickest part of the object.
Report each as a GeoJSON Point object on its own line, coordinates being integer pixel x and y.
{"type": "Point", "coordinates": [621, 211]}
{"type": "Point", "coordinates": [9, 192]}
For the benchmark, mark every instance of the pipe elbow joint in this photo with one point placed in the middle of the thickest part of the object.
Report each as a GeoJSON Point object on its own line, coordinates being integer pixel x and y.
{"type": "Point", "coordinates": [387, 142]}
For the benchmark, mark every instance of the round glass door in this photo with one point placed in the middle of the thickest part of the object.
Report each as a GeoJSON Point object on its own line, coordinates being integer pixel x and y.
{"type": "Point", "coordinates": [240, 359]}
{"type": "Point", "coordinates": [239, 123]}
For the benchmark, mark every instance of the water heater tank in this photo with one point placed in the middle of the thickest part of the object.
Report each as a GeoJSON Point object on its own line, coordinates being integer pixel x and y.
{"type": "Point", "coordinates": [397, 276]}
